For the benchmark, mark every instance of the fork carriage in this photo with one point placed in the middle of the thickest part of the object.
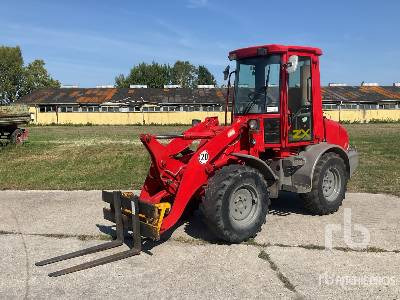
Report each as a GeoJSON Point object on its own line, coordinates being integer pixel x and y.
{"type": "Point", "coordinates": [128, 214]}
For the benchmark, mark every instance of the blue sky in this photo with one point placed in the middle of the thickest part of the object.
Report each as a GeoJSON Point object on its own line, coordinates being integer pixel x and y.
{"type": "Point", "coordinates": [90, 42]}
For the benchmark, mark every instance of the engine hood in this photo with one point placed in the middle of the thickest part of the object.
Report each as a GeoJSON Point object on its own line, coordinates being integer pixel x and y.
{"type": "Point", "coordinates": [336, 134]}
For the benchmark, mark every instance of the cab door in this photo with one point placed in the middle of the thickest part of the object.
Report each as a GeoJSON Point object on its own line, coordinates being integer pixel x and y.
{"type": "Point", "coordinates": [299, 106]}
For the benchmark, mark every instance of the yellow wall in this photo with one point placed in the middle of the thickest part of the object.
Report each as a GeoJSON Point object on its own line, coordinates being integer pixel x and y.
{"type": "Point", "coordinates": [33, 111]}
{"type": "Point", "coordinates": [363, 116]}
{"type": "Point", "coordinates": [123, 118]}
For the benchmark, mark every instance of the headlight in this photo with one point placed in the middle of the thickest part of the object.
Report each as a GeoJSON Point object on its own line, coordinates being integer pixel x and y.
{"type": "Point", "coordinates": [253, 124]}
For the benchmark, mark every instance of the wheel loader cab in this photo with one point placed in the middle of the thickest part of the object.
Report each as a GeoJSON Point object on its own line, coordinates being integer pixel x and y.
{"type": "Point", "coordinates": [285, 101]}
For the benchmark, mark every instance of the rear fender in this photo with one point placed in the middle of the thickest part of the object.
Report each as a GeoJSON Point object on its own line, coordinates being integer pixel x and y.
{"type": "Point", "coordinates": [302, 178]}
{"type": "Point", "coordinates": [198, 169]}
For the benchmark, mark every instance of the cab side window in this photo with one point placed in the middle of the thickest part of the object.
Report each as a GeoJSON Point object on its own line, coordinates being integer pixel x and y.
{"type": "Point", "coordinates": [300, 102]}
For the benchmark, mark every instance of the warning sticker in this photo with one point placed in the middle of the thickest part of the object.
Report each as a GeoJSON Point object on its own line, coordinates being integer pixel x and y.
{"type": "Point", "coordinates": [231, 132]}
{"type": "Point", "coordinates": [203, 157]}
{"type": "Point", "coordinates": [272, 108]}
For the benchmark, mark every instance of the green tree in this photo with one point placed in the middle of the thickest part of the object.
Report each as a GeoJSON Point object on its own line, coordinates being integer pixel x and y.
{"type": "Point", "coordinates": [154, 75]}
{"type": "Point", "coordinates": [204, 76]}
{"type": "Point", "coordinates": [11, 73]}
{"type": "Point", "coordinates": [157, 75]}
{"type": "Point", "coordinates": [184, 74]}
{"type": "Point", "coordinates": [121, 81]}
{"type": "Point", "coordinates": [35, 76]}
{"type": "Point", "coordinates": [17, 80]}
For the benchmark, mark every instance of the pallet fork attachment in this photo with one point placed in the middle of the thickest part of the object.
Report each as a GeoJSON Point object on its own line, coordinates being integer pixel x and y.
{"type": "Point", "coordinates": [128, 213]}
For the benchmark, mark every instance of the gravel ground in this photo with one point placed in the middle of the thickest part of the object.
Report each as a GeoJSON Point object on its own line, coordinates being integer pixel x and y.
{"type": "Point", "coordinates": [288, 259]}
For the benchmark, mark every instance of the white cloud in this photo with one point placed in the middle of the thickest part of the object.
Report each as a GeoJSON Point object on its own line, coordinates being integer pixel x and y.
{"type": "Point", "coordinates": [72, 55]}
{"type": "Point", "coordinates": [196, 3]}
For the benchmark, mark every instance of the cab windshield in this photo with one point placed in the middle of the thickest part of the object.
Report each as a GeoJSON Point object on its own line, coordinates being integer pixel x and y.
{"type": "Point", "coordinates": [257, 85]}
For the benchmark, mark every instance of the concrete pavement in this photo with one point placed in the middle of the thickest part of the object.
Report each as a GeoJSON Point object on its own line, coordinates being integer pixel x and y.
{"type": "Point", "coordinates": [287, 259]}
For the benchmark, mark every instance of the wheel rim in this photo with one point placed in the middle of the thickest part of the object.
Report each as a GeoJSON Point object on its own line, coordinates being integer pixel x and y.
{"type": "Point", "coordinates": [243, 205]}
{"type": "Point", "coordinates": [331, 184]}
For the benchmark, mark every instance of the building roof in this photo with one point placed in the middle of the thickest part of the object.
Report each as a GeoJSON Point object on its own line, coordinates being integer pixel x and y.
{"type": "Point", "coordinates": [360, 93]}
{"type": "Point", "coordinates": [125, 96]}
{"type": "Point", "coordinates": [132, 97]}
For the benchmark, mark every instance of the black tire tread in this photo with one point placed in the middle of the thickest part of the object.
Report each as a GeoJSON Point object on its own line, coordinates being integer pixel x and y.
{"type": "Point", "coordinates": [211, 205]}
{"type": "Point", "coordinates": [312, 201]}
{"type": "Point", "coordinates": [14, 134]}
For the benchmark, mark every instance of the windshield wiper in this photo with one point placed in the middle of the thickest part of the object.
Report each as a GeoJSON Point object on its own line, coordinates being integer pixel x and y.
{"type": "Point", "coordinates": [265, 88]}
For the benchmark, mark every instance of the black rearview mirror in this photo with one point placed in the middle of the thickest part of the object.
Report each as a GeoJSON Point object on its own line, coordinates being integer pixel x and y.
{"type": "Point", "coordinates": [226, 72]}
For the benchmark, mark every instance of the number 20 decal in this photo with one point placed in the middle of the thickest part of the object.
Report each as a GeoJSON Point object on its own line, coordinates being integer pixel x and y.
{"type": "Point", "coordinates": [203, 157]}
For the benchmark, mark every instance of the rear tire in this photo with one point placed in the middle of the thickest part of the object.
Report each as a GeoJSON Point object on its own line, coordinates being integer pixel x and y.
{"type": "Point", "coordinates": [328, 185]}
{"type": "Point", "coordinates": [16, 137]}
{"type": "Point", "coordinates": [236, 202]}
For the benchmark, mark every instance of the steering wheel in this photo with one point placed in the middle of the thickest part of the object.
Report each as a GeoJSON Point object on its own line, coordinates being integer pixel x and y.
{"type": "Point", "coordinates": [254, 95]}
{"type": "Point", "coordinates": [303, 109]}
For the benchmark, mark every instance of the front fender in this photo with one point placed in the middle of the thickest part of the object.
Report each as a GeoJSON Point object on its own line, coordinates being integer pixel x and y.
{"type": "Point", "coordinates": [258, 164]}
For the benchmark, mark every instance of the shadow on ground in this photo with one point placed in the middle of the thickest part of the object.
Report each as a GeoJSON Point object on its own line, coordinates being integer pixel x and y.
{"type": "Point", "coordinates": [195, 227]}
{"type": "Point", "coordinates": [287, 204]}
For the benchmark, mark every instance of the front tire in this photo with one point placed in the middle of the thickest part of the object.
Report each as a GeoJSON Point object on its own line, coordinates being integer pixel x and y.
{"type": "Point", "coordinates": [236, 202]}
{"type": "Point", "coordinates": [328, 185]}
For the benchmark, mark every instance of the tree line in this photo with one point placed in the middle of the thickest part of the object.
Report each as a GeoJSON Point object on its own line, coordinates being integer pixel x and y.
{"type": "Point", "coordinates": [157, 75]}
{"type": "Point", "coordinates": [17, 79]}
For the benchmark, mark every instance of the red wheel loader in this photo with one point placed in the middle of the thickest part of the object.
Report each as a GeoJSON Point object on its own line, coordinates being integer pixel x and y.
{"type": "Point", "coordinates": [278, 139]}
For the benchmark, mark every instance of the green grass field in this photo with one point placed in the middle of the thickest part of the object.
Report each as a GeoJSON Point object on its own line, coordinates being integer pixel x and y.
{"type": "Point", "coordinates": [111, 157]}
{"type": "Point", "coordinates": [379, 148]}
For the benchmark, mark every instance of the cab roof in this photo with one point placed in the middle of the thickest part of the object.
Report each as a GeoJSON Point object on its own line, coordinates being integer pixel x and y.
{"type": "Point", "coordinates": [272, 48]}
